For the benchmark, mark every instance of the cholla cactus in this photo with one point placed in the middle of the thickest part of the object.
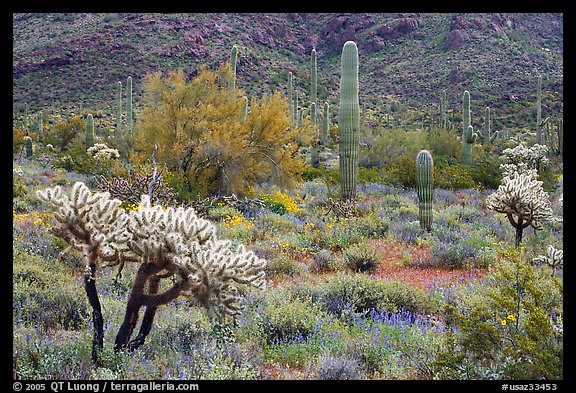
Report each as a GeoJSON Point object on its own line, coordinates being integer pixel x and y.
{"type": "Point", "coordinates": [523, 200]}
{"type": "Point", "coordinates": [554, 259]}
{"type": "Point", "coordinates": [522, 158]}
{"type": "Point", "coordinates": [167, 243]}
{"type": "Point", "coordinates": [100, 151]}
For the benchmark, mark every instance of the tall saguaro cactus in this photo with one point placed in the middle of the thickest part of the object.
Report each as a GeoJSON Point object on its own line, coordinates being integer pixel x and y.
{"type": "Point", "coordinates": [468, 135]}
{"type": "Point", "coordinates": [313, 76]}
{"type": "Point", "coordinates": [325, 125]}
{"type": "Point", "coordinates": [349, 121]}
{"type": "Point", "coordinates": [443, 111]}
{"type": "Point", "coordinates": [290, 94]}
{"type": "Point", "coordinates": [89, 131]}
{"type": "Point", "coordinates": [539, 110]}
{"type": "Point", "coordinates": [424, 168]}
{"type": "Point", "coordinates": [487, 136]}
{"type": "Point", "coordinates": [118, 132]}
{"type": "Point", "coordinates": [129, 104]}
{"type": "Point", "coordinates": [233, 58]}
{"type": "Point", "coordinates": [296, 108]}
{"type": "Point", "coordinates": [315, 151]}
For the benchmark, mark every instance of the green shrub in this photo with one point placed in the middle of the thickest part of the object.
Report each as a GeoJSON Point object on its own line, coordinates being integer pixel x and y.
{"type": "Point", "coordinates": [453, 177]}
{"type": "Point", "coordinates": [361, 257]}
{"type": "Point", "coordinates": [401, 171]}
{"type": "Point", "coordinates": [44, 294]}
{"type": "Point", "coordinates": [282, 264]}
{"type": "Point", "coordinates": [512, 321]}
{"type": "Point", "coordinates": [359, 293]}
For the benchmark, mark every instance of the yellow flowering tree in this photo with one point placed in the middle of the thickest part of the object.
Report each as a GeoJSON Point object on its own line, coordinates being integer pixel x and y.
{"type": "Point", "coordinates": [201, 129]}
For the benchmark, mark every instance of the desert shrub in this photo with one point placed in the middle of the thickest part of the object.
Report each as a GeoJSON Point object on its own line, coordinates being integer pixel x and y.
{"type": "Point", "coordinates": [330, 367]}
{"type": "Point", "coordinates": [38, 356]}
{"type": "Point", "coordinates": [285, 317]}
{"type": "Point", "coordinates": [455, 176]}
{"type": "Point", "coordinates": [370, 225]}
{"type": "Point", "coordinates": [281, 264]}
{"type": "Point", "coordinates": [360, 293]}
{"type": "Point", "coordinates": [507, 327]}
{"type": "Point", "coordinates": [322, 261]}
{"type": "Point", "coordinates": [65, 134]}
{"type": "Point", "coordinates": [44, 294]}
{"type": "Point", "coordinates": [400, 171]}
{"type": "Point", "coordinates": [361, 257]}
{"type": "Point", "coordinates": [17, 140]}
{"type": "Point", "coordinates": [486, 172]}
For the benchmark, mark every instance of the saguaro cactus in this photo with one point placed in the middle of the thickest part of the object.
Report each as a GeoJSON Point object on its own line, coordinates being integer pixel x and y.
{"type": "Point", "coordinates": [118, 131]}
{"type": "Point", "coordinates": [313, 76]}
{"type": "Point", "coordinates": [468, 135]}
{"type": "Point", "coordinates": [245, 107]}
{"type": "Point", "coordinates": [539, 110]}
{"type": "Point", "coordinates": [487, 137]}
{"type": "Point", "coordinates": [296, 108]}
{"type": "Point", "coordinates": [424, 168]}
{"type": "Point", "coordinates": [233, 58]}
{"type": "Point", "coordinates": [89, 131]}
{"type": "Point", "coordinates": [129, 104]}
{"type": "Point", "coordinates": [349, 121]}
{"type": "Point", "coordinates": [325, 125]}
{"type": "Point", "coordinates": [40, 122]}
{"type": "Point", "coordinates": [290, 99]}
{"type": "Point", "coordinates": [468, 139]}
{"type": "Point", "coordinates": [443, 112]}
{"type": "Point", "coordinates": [28, 146]}
{"type": "Point", "coordinates": [315, 153]}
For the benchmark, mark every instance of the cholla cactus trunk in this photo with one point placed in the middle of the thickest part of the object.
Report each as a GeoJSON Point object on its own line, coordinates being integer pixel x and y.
{"type": "Point", "coordinates": [325, 125]}
{"type": "Point", "coordinates": [129, 104]}
{"type": "Point", "coordinates": [349, 121]}
{"type": "Point", "coordinates": [290, 97]}
{"type": "Point", "coordinates": [118, 131]}
{"type": "Point", "coordinates": [233, 58]}
{"type": "Point", "coordinates": [28, 146]}
{"type": "Point", "coordinates": [539, 110]}
{"type": "Point", "coordinates": [313, 76]}
{"type": "Point", "coordinates": [425, 168]}
{"type": "Point", "coordinates": [89, 131]}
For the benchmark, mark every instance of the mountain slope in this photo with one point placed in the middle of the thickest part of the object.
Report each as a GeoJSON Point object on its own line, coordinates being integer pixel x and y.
{"type": "Point", "coordinates": [76, 60]}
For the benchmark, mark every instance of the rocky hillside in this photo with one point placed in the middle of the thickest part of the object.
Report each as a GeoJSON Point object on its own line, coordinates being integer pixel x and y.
{"type": "Point", "coordinates": [75, 60]}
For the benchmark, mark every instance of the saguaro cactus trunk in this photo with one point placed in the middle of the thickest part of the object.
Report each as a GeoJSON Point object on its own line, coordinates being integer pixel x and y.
{"type": "Point", "coordinates": [424, 168]}
{"type": "Point", "coordinates": [233, 58]}
{"type": "Point", "coordinates": [129, 104]}
{"type": "Point", "coordinates": [349, 121]}
{"type": "Point", "coordinates": [468, 135]}
{"type": "Point", "coordinates": [89, 131]}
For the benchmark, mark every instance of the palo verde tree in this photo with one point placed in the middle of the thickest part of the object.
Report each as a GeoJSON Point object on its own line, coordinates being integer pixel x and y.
{"type": "Point", "coordinates": [195, 125]}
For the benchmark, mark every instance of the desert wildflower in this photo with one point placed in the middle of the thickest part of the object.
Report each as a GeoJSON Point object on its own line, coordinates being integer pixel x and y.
{"type": "Point", "coordinates": [503, 322]}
